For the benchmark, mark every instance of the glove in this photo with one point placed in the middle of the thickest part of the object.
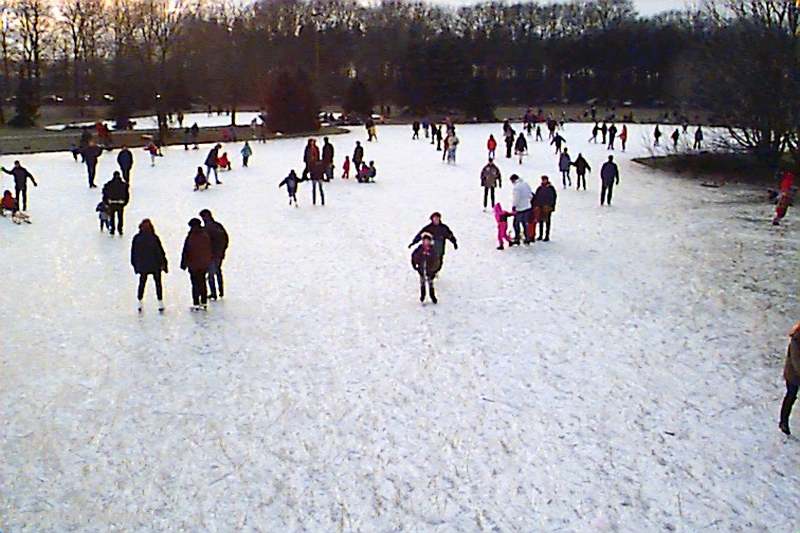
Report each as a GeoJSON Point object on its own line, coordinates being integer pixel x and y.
{"type": "Point", "coordinates": [411, 245]}
{"type": "Point", "coordinates": [455, 246]}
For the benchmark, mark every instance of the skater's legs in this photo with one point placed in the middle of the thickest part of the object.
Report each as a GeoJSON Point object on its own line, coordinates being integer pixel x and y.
{"type": "Point", "coordinates": [159, 287]}
{"type": "Point", "coordinates": [213, 276]}
{"type": "Point", "coordinates": [142, 283]}
{"type": "Point", "coordinates": [788, 402]}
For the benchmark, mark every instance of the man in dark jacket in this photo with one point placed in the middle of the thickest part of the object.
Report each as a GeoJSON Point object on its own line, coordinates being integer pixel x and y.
{"type": "Point", "coordinates": [125, 162]}
{"type": "Point", "coordinates": [791, 373]}
{"type": "Point", "coordinates": [196, 257]}
{"type": "Point", "coordinates": [427, 263]}
{"type": "Point", "coordinates": [212, 163]}
{"type": "Point", "coordinates": [148, 259]}
{"type": "Point", "coordinates": [545, 200]}
{"type": "Point", "coordinates": [219, 245]}
{"type": "Point", "coordinates": [581, 167]}
{"type": "Point", "coordinates": [91, 154]}
{"type": "Point", "coordinates": [440, 233]}
{"type": "Point", "coordinates": [21, 177]}
{"type": "Point", "coordinates": [116, 196]}
{"type": "Point", "coordinates": [612, 136]}
{"type": "Point", "coordinates": [358, 156]}
{"type": "Point", "coordinates": [609, 176]}
{"type": "Point", "coordinates": [327, 159]}
{"type": "Point", "coordinates": [490, 178]}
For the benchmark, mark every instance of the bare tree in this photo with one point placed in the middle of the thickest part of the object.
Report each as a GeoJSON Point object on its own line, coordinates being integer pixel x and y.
{"type": "Point", "coordinates": [34, 21]}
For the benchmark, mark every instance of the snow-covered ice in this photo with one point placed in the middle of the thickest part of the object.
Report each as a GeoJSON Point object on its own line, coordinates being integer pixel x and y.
{"type": "Point", "coordinates": [203, 120]}
{"type": "Point", "coordinates": [624, 377]}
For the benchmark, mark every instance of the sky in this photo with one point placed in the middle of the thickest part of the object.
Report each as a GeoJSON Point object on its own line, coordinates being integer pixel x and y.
{"type": "Point", "coordinates": [645, 7]}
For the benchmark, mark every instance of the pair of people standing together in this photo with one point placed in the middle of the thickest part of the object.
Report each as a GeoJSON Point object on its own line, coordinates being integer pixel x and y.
{"type": "Point", "coordinates": [203, 254]}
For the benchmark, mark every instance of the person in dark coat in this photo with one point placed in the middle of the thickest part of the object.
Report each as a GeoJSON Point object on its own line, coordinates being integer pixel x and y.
{"type": "Point", "coordinates": [327, 159]}
{"type": "Point", "coordinates": [604, 132]}
{"type": "Point", "coordinates": [91, 154]}
{"type": "Point", "coordinates": [545, 200]}
{"type": "Point", "coordinates": [311, 157]}
{"type": "Point", "coordinates": [116, 194]}
{"type": "Point", "coordinates": [558, 141]}
{"type": "Point", "coordinates": [196, 257]}
{"type": "Point", "coordinates": [125, 162]}
{"type": "Point", "coordinates": [427, 263]}
{"type": "Point", "coordinates": [212, 163]}
{"type": "Point", "coordinates": [195, 133]}
{"type": "Point", "coordinates": [148, 259]}
{"type": "Point", "coordinates": [490, 178]}
{"type": "Point", "coordinates": [521, 146]}
{"type": "Point", "coordinates": [791, 373]}
{"type": "Point", "coordinates": [21, 177]}
{"type": "Point", "coordinates": [415, 130]}
{"type": "Point", "coordinates": [291, 181]}
{"type": "Point", "coordinates": [612, 136]}
{"type": "Point", "coordinates": [657, 136]}
{"type": "Point", "coordinates": [219, 246]}
{"type": "Point", "coordinates": [440, 233]}
{"type": "Point", "coordinates": [509, 133]}
{"type": "Point", "coordinates": [609, 176]}
{"type": "Point", "coordinates": [676, 137]}
{"type": "Point", "coordinates": [358, 156]}
{"type": "Point", "coordinates": [581, 166]}
{"type": "Point", "coordinates": [698, 138]}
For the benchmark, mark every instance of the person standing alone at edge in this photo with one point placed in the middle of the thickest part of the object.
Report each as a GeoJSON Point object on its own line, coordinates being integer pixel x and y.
{"type": "Point", "coordinates": [148, 259]}
{"type": "Point", "coordinates": [21, 177]}
{"type": "Point", "coordinates": [196, 258]}
{"type": "Point", "coordinates": [545, 199]}
{"type": "Point", "coordinates": [490, 178]}
{"type": "Point", "coordinates": [219, 245]}
{"type": "Point", "coordinates": [116, 195]}
{"type": "Point", "coordinates": [90, 156]}
{"type": "Point", "coordinates": [791, 373]}
{"type": "Point", "coordinates": [521, 207]}
{"type": "Point", "coordinates": [609, 176]}
{"type": "Point", "coordinates": [125, 162]}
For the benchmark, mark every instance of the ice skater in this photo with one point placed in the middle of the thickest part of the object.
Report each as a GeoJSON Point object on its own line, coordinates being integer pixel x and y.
{"type": "Point", "coordinates": [8, 203]}
{"type": "Point", "coordinates": [200, 180]}
{"type": "Point", "coordinates": [595, 131]}
{"type": "Point", "coordinates": [116, 193]}
{"type": "Point", "coordinates": [545, 200]}
{"type": "Point", "coordinates": [623, 136]}
{"type": "Point", "coordinates": [791, 374]}
{"type": "Point", "coordinates": [212, 163]}
{"type": "Point", "coordinates": [612, 136]}
{"type": "Point", "coordinates": [21, 176]}
{"type": "Point", "coordinates": [91, 153]}
{"type": "Point", "coordinates": [148, 259]}
{"type": "Point", "coordinates": [581, 167]}
{"type": "Point", "coordinates": [490, 178]}
{"type": "Point", "coordinates": [558, 142]}
{"type": "Point", "coordinates": [125, 162]}
{"type": "Point", "coordinates": [676, 137]}
{"type": "Point", "coordinates": [219, 247]}
{"type": "Point", "coordinates": [657, 136]}
{"type": "Point", "coordinates": [609, 176]}
{"type": "Point", "coordinates": [427, 263]}
{"type": "Point", "coordinates": [246, 152]}
{"type": "Point", "coordinates": [491, 145]}
{"type": "Point", "coordinates": [501, 218]}
{"type": "Point", "coordinates": [441, 234]}
{"type": "Point", "coordinates": [698, 138]}
{"type": "Point", "coordinates": [564, 164]}
{"type": "Point", "coordinates": [521, 208]}
{"type": "Point", "coordinates": [103, 215]}
{"type": "Point", "coordinates": [346, 168]}
{"type": "Point", "coordinates": [195, 259]}
{"type": "Point", "coordinates": [521, 147]}
{"type": "Point", "coordinates": [291, 181]}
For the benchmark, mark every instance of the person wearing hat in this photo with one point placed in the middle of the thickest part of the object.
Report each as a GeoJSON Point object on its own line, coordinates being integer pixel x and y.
{"type": "Point", "coordinates": [440, 234]}
{"type": "Point", "coordinates": [196, 258]}
{"type": "Point", "coordinates": [791, 373]}
{"type": "Point", "coordinates": [427, 263]}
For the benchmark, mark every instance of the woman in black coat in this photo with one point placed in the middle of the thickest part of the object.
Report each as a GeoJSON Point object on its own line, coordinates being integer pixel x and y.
{"type": "Point", "coordinates": [148, 258]}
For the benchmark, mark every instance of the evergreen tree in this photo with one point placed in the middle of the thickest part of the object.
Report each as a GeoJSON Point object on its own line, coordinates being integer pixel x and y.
{"type": "Point", "coordinates": [27, 105]}
{"type": "Point", "coordinates": [292, 107]}
{"type": "Point", "coordinates": [478, 101]}
{"type": "Point", "coordinates": [358, 99]}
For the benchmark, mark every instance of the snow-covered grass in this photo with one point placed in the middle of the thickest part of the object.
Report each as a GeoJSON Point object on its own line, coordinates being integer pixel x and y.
{"type": "Point", "coordinates": [203, 120]}
{"type": "Point", "coordinates": [624, 377]}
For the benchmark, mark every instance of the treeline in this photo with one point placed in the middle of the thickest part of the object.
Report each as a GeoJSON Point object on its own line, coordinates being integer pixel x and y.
{"type": "Point", "coordinates": [407, 53]}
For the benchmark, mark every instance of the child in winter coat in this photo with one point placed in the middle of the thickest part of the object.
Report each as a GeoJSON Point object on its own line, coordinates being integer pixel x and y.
{"type": "Point", "coordinates": [246, 153]}
{"type": "Point", "coordinates": [427, 263]}
{"type": "Point", "coordinates": [501, 217]}
{"type": "Point", "coordinates": [9, 203]}
{"type": "Point", "coordinates": [784, 201]}
{"type": "Point", "coordinates": [152, 149]}
{"type": "Point", "coordinates": [491, 145]}
{"type": "Point", "coordinates": [346, 168]}
{"type": "Point", "coordinates": [223, 162]}
{"type": "Point", "coordinates": [200, 180]}
{"type": "Point", "coordinates": [291, 182]}
{"type": "Point", "coordinates": [103, 215]}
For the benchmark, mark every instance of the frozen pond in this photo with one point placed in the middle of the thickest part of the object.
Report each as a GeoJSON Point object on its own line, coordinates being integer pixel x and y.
{"type": "Point", "coordinates": [625, 376]}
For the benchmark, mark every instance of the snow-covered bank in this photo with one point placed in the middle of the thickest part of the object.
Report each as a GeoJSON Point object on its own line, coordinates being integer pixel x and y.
{"type": "Point", "coordinates": [623, 377]}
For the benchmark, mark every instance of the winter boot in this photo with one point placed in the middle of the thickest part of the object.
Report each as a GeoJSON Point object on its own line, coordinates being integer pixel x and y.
{"type": "Point", "coordinates": [784, 426]}
{"type": "Point", "coordinates": [139, 306]}
{"type": "Point", "coordinates": [161, 306]}
{"type": "Point", "coordinates": [432, 292]}
{"type": "Point", "coordinates": [422, 292]}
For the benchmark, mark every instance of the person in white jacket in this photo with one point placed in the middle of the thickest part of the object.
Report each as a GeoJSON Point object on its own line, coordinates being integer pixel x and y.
{"type": "Point", "coordinates": [521, 207]}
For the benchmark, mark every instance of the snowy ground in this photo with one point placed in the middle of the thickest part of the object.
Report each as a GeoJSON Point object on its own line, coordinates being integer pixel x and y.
{"type": "Point", "coordinates": [624, 377]}
{"type": "Point", "coordinates": [203, 120]}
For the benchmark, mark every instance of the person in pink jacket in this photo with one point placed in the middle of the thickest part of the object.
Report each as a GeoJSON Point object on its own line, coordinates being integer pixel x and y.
{"type": "Point", "coordinates": [501, 217]}
{"type": "Point", "coordinates": [623, 137]}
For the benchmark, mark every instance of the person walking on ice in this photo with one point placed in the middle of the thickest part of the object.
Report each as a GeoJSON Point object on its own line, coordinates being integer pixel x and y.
{"type": "Point", "coordinates": [581, 167]}
{"type": "Point", "coordinates": [116, 194]}
{"type": "Point", "coordinates": [427, 263]}
{"type": "Point", "coordinates": [676, 136]}
{"type": "Point", "coordinates": [21, 176]}
{"type": "Point", "coordinates": [612, 136]}
{"type": "Point", "coordinates": [521, 208]}
{"type": "Point", "coordinates": [125, 162]}
{"type": "Point", "coordinates": [558, 141]}
{"type": "Point", "coordinates": [195, 259]}
{"type": "Point", "coordinates": [291, 181]}
{"type": "Point", "coordinates": [491, 145]}
{"type": "Point", "coordinates": [219, 246]}
{"type": "Point", "coordinates": [490, 178]}
{"type": "Point", "coordinates": [609, 176]}
{"type": "Point", "coordinates": [501, 217]}
{"type": "Point", "coordinates": [148, 259]}
{"type": "Point", "coordinates": [623, 136]}
{"type": "Point", "coordinates": [657, 136]}
{"type": "Point", "coordinates": [440, 233]}
{"type": "Point", "coordinates": [246, 152]}
{"type": "Point", "coordinates": [212, 162]}
{"type": "Point", "coordinates": [545, 201]}
{"type": "Point", "coordinates": [564, 164]}
{"type": "Point", "coordinates": [791, 374]}
{"type": "Point", "coordinates": [698, 138]}
{"type": "Point", "coordinates": [521, 146]}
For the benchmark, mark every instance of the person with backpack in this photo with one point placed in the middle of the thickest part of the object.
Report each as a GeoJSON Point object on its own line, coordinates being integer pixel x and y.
{"type": "Point", "coordinates": [148, 259]}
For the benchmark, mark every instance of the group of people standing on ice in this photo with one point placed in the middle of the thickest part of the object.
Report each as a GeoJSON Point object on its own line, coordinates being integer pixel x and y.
{"type": "Point", "coordinates": [446, 142]}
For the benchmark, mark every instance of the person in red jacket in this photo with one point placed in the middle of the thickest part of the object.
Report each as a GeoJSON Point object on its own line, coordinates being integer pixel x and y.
{"type": "Point", "coordinates": [787, 181]}
{"type": "Point", "coordinates": [196, 258]}
{"type": "Point", "coordinates": [623, 137]}
{"type": "Point", "coordinates": [223, 162]}
{"type": "Point", "coordinates": [491, 145]}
